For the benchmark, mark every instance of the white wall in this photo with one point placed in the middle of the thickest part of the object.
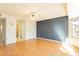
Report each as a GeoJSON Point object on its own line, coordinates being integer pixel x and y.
{"type": "Point", "coordinates": [10, 29]}
{"type": "Point", "coordinates": [30, 29]}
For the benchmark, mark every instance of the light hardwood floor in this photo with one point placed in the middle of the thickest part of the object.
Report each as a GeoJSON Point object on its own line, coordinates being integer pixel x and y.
{"type": "Point", "coordinates": [35, 47]}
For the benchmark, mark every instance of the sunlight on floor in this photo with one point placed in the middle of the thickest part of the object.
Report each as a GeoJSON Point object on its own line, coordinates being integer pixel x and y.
{"type": "Point", "coordinates": [66, 47]}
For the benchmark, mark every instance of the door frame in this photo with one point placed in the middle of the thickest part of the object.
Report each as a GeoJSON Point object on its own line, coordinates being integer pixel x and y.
{"type": "Point", "coordinates": [20, 31]}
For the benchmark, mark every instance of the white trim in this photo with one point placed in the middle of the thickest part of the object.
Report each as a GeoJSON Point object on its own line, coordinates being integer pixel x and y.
{"type": "Point", "coordinates": [50, 40]}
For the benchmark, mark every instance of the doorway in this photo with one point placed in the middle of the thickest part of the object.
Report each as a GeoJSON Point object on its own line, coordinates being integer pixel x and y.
{"type": "Point", "coordinates": [20, 30]}
{"type": "Point", "coordinates": [2, 31]}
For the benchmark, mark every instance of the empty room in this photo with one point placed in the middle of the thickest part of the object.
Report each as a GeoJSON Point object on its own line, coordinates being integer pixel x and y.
{"type": "Point", "coordinates": [39, 29]}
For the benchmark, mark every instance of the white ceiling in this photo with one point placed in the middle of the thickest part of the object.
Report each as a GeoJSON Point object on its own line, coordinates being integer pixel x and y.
{"type": "Point", "coordinates": [43, 11]}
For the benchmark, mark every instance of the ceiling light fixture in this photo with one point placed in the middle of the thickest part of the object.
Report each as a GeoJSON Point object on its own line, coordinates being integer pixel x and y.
{"type": "Point", "coordinates": [33, 16]}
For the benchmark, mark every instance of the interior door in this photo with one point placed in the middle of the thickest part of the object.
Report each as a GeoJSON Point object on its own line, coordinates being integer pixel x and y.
{"type": "Point", "coordinates": [20, 29]}
{"type": "Point", "coordinates": [2, 31]}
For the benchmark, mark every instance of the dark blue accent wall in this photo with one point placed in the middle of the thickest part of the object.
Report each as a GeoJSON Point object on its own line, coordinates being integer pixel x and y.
{"type": "Point", "coordinates": [55, 29]}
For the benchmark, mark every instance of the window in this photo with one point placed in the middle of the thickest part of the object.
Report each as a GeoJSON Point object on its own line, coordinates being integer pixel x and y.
{"type": "Point", "coordinates": [75, 27]}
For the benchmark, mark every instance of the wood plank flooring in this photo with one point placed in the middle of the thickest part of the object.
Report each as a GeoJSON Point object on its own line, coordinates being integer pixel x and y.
{"type": "Point", "coordinates": [35, 47]}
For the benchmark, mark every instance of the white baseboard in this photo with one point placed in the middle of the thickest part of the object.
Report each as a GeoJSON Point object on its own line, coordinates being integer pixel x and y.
{"type": "Point", "coordinates": [41, 39]}
{"type": "Point", "coordinates": [50, 40]}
